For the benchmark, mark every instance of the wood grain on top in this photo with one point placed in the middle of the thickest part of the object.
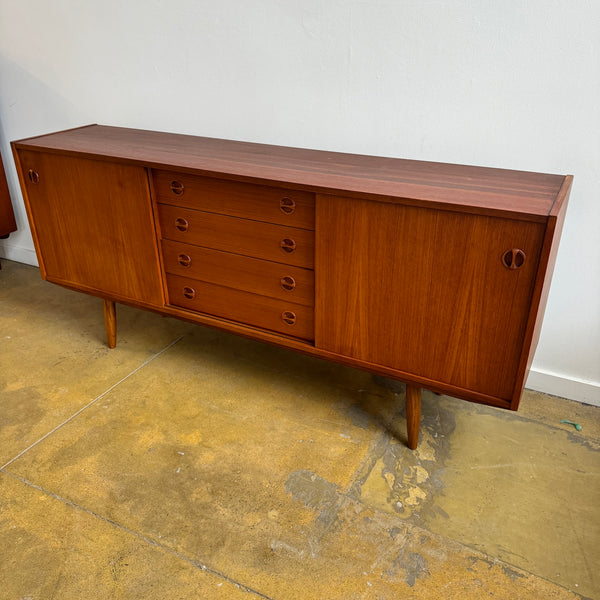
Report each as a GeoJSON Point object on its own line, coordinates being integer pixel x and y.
{"type": "Point", "coordinates": [455, 187]}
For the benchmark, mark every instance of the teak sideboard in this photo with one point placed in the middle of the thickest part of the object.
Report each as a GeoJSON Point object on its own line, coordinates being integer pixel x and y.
{"type": "Point", "coordinates": [433, 274]}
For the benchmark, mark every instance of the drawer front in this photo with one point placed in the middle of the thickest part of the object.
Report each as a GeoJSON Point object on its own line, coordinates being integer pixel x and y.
{"type": "Point", "coordinates": [292, 284]}
{"type": "Point", "coordinates": [288, 245]}
{"type": "Point", "coordinates": [288, 318]}
{"type": "Point", "coordinates": [249, 201]}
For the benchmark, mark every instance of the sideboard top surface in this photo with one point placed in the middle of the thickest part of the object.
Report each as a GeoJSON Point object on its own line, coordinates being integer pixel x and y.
{"type": "Point", "coordinates": [453, 187]}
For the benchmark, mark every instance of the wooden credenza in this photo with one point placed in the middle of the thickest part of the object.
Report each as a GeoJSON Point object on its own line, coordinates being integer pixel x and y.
{"type": "Point", "coordinates": [433, 274]}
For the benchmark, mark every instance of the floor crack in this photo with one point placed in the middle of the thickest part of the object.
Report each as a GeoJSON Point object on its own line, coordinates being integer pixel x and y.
{"type": "Point", "coordinates": [197, 564]}
{"type": "Point", "coordinates": [92, 402]}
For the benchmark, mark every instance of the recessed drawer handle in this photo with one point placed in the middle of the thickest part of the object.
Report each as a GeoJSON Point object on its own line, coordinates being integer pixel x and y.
{"type": "Point", "coordinates": [189, 293]}
{"type": "Point", "coordinates": [288, 245]}
{"type": "Point", "coordinates": [288, 317]}
{"type": "Point", "coordinates": [288, 283]}
{"type": "Point", "coordinates": [181, 224]}
{"type": "Point", "coordinates": [287, 205]}
{"type": "Point", "coordinates": [34, 176]}
{"type": "Point", "coordinates": [513, 259]}
{"type": "Point", "coordinates": [184, 260]}
{"type": "Point", "coordinates": [177, 188]}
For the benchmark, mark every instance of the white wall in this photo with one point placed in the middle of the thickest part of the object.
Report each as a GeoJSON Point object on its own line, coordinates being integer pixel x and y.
{"type": "Point", "coordinates": [511, 84]}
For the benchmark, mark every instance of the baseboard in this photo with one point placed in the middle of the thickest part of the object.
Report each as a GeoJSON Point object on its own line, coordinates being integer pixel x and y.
{"type": "Point", "coordinates": [587, 392]}
{"type": "Point", "coordinates": [17, 253]}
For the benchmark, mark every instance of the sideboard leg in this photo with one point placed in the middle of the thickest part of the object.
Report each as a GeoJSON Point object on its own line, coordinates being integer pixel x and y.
{"type": "Point", "coordinates": [413, 414]}
{"type": "Point", "coordinates": [110, 322]}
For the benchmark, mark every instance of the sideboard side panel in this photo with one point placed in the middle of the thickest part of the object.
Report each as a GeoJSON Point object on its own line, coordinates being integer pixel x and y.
{"type": "Point", "coordinates": [542, 286]}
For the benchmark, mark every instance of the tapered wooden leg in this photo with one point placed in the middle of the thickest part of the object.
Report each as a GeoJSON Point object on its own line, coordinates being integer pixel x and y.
{"type": "Point", "coordinates": [110, 322]}
{"type": "Point", "coordinates": [413, 414]}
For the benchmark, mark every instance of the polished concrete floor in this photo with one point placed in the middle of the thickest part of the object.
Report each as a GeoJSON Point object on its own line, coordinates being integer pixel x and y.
{"type": "Point", "coordinates": [189, 463]}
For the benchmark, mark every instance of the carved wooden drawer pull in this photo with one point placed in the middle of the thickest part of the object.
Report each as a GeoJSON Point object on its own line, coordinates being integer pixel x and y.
{"type": "Point", "coordinates": [177, 188]}
{"type": "Point", "coordinates": [184, 260]}
{"type": "Point", "coordinates": [288, 317]}
{"type": "Point", "coordinates": [288, 245]}
{"type": "Point", "coordinates": [287, 205]}
{"type": "Point", "coordinates": [288, 283]}
{"type": "Point", "coordinates": [513, 259]}
{"type": "Point", "coordinates": [189, 293]}
{"type": "Point", "coordinates": [181, 224]}
{"type": "Point", "coordinates": [34, 176]}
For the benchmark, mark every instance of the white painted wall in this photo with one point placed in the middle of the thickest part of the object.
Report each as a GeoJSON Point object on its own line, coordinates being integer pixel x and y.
{"type": "Point", "coordinates": [510, 84]}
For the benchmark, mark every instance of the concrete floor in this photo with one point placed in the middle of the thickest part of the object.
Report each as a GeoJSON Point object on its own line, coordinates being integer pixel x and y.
{"type": "Point", "coordinates": [189, 463]}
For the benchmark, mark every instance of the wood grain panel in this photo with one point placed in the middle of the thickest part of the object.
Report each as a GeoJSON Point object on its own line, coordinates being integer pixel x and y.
{"type": "Point", "coordinates": [424, 291]}
{"type": "Point", "coordinates": [240, 236]}
{"type": "Point", "coordinates": [243, 307]}
{"type": "Point", "coordinates": [285, 282]}
{"type": "Point", "coordinates": [455, 187]}
{"type": "Point", "coordinates": [93, 225]}
{"type": "Point", "coordinates": [258, 202]}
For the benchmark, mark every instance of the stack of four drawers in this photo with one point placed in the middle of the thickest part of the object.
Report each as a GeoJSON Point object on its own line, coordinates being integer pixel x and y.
{"type": "Point", "coordinates": [238, 251]}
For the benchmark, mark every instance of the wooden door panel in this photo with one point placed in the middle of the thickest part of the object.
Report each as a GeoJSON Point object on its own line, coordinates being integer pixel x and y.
{"type": "Point", "coordinates": [93, 225]}
{"type": "Point", "coordinates": [424, 291]}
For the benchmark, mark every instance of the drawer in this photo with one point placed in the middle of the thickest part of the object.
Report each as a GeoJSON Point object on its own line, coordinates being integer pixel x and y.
{"type": "Point", "coordinates": [292, 284]}
{"type": "Point", "coordinates": [290, 319]}
{"type": "Point", "coordinates": [288, 245]}
{"type": "Point", "coordinates": [257, 202]}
